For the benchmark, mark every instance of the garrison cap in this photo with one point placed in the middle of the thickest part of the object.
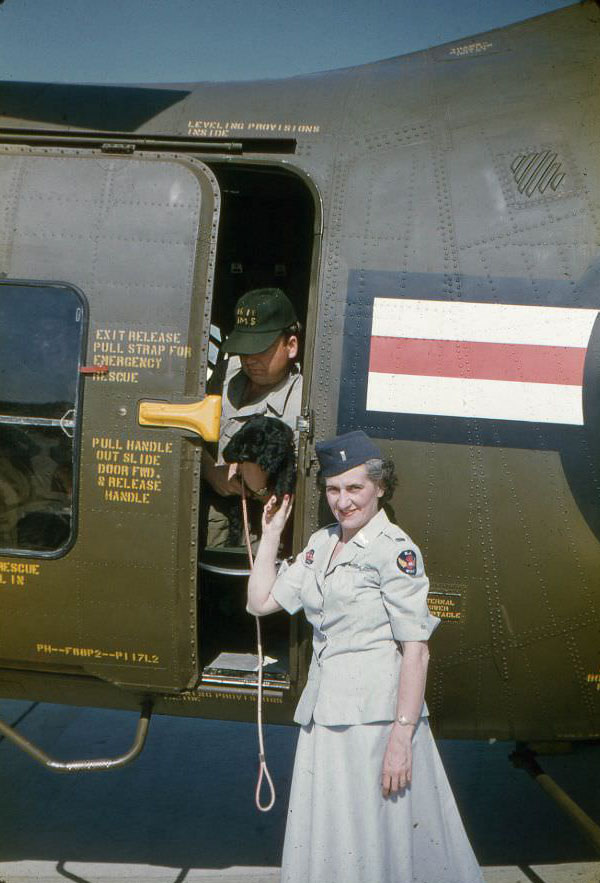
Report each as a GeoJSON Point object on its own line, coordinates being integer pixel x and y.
{"type": "Point", "coordinates": [260, 317]}
{"type": "Point", "coordinates": [345, 452]}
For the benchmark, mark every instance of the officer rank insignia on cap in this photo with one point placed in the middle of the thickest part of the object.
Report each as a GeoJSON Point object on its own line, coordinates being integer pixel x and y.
{"type": "Point", "coordinates": [309, 556]}
{"type": "Point", "coordinates": [407, 562]}
{"type": "Point", "coordinates": [343, 452]}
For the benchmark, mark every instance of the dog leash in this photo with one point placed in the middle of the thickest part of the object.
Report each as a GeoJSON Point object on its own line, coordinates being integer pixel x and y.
{"type": "Point", "coordinates": [263, 771]}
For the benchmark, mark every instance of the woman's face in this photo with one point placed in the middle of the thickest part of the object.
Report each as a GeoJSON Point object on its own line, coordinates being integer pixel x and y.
{"type": "Point", "coordinates": [353, 498]}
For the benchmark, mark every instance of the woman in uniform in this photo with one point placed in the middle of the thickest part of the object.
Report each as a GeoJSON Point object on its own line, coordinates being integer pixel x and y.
{"type": "Point", "coordinates": [370, 802]}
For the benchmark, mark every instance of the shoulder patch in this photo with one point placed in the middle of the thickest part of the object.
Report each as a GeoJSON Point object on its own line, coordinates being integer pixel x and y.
{"type": "Point", "coordinates": [407, 562]}
{"type": "Point", "coordinates": [309, 556]}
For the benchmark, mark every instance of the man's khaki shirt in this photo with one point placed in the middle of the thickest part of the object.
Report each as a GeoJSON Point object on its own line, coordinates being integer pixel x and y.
{"type": "Point", "coordinates": [282, 401]}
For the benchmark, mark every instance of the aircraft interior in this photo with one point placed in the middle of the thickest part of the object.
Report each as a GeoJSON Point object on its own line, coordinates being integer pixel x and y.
{"type": "Point", "coordinates": [265, 240]}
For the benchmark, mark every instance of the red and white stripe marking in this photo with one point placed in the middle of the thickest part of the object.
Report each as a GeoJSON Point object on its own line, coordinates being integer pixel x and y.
{"type": "Point", "coordinates": [496, 361]}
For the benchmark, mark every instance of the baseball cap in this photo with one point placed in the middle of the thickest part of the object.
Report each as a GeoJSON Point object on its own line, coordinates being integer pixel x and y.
{"type": "Point", "coordinates": [260, 317]}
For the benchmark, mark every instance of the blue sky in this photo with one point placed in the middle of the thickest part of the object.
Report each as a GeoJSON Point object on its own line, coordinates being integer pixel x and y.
{"type": "Point", "coordinates": [136, 41]}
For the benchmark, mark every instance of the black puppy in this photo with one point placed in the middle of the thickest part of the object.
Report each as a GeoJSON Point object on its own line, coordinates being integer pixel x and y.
{"type": "Point", "coordinates": [269, 443]}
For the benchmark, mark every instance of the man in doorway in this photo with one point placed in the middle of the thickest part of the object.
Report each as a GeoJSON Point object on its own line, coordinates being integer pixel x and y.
{"type": "Point", "coordinates": [262, 376]}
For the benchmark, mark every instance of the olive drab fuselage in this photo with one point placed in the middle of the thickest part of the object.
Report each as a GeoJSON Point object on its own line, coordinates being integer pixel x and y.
{"type": "Point", "coordinates": [435, 219]}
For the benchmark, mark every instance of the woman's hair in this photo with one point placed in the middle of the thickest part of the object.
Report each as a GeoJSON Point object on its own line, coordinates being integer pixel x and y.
{"type": "Point", "coordinates": [269, 443]}
{"type": "Point", "coordinates": [381, 472]}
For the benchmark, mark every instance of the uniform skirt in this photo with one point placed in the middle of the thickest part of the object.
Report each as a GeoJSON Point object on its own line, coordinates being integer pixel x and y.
{"type": "Point", "coordinates": [340, 827]}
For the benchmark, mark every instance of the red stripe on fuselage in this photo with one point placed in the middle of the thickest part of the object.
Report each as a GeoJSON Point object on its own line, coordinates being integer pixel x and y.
{"type": "Point", "coordinates": [478, 361]}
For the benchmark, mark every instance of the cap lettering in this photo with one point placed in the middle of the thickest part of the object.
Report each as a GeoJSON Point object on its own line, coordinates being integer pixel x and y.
{"type": "Point", "coordinates": [246, 316]}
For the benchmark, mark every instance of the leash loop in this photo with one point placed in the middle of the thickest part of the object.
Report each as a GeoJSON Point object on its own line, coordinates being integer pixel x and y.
{"type": "Point", "coordinates": [263, 770]}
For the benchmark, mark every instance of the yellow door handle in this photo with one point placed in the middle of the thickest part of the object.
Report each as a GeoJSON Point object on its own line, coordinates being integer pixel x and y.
{"type": "Point", "coordinates": [203, 417]}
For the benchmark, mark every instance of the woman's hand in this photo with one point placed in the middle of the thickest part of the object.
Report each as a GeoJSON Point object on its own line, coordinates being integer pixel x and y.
{"type": "Point", "coordinates": [274, 517]}
{"type": "Point", "coordinates": [397, 762]}
{"type": "Point", "coordinates": [263, 574]}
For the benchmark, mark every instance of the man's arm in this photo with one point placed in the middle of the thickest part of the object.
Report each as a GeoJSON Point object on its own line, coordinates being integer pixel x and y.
{"type": "Point", "coordinates": [218, 477]}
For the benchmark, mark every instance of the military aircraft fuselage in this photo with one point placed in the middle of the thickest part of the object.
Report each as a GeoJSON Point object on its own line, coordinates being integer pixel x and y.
{"type": "Point", "coordinates": [436, 220]}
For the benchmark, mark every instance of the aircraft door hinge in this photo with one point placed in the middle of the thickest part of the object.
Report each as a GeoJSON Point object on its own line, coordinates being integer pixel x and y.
{"type": "Point", "coordinates": [305, 427]}
{"type": "Point", "coordinates": [304, 423]}
{"type": "Point", "coordinates": [118, 147]}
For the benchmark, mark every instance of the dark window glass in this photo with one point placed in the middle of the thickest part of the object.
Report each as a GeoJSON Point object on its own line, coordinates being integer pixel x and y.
{"type": "Point", "coordinates": [41, 341]}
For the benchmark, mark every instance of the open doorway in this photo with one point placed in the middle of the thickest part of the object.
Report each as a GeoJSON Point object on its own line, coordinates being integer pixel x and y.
{"type": "Point", "coordinates": [266, 240]}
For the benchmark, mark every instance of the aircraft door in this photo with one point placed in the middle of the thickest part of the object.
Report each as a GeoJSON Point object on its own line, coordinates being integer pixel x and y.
{"type": "Point", "coordinates": [128, 242]}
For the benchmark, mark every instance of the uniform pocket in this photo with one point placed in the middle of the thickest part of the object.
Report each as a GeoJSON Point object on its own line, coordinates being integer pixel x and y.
{"type": "Point", "coordinates": [365, 582]}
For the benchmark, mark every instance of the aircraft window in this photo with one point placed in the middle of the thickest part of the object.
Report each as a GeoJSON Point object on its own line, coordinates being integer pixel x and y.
{"type": "Point", "coordinates": [214, 343]}
{"type": "Point", "coordinates": [41, 341]}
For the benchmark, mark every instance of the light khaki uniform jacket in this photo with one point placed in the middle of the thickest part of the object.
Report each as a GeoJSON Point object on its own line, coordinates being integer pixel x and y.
{"type": "Point", "coordinates": [370, 598]}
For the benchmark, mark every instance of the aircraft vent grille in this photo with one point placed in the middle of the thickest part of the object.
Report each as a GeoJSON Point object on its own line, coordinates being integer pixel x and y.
{"type": "Point", "coordinates": [536, 172]}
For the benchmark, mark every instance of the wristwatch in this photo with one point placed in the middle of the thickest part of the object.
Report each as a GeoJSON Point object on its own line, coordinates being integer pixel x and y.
{"type": "Point", "coordinates": [404, 721]}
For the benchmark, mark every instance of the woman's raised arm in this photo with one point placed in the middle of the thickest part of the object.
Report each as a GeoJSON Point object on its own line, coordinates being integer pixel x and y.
{"type": "Point", "coordinates": [264, 573]}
